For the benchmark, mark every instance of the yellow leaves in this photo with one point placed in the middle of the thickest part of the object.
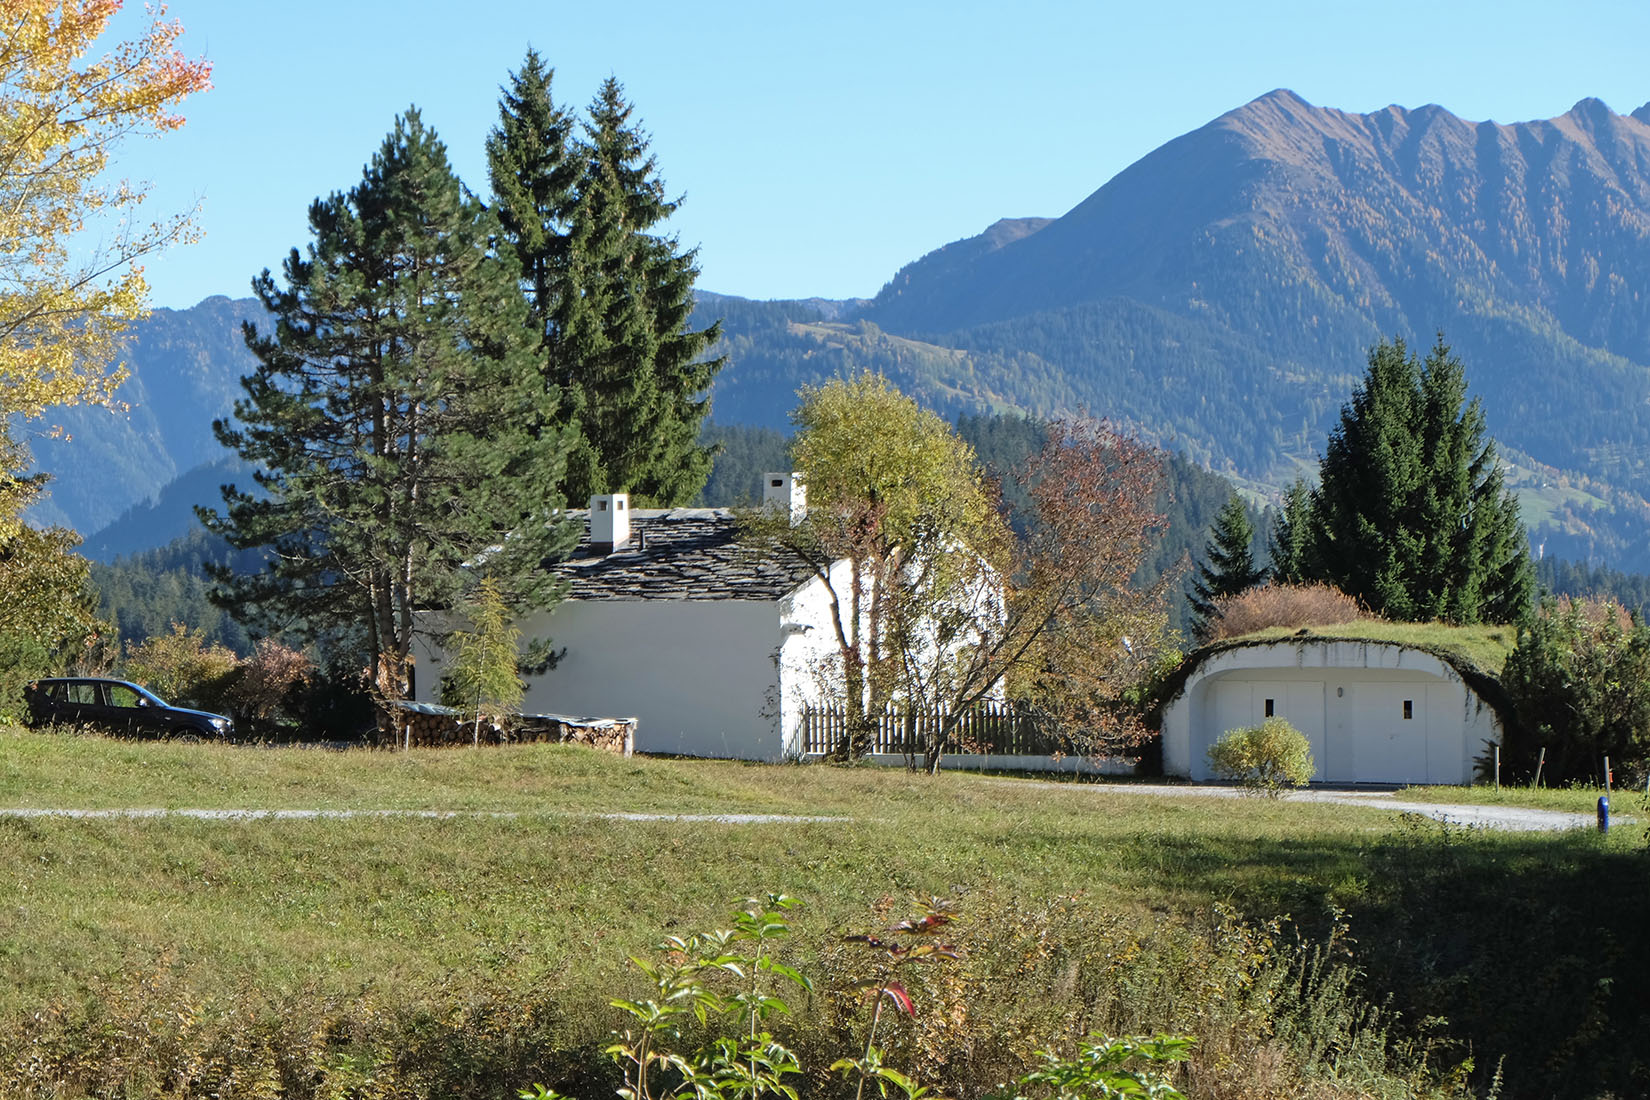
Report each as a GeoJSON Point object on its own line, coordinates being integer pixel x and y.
{"type": "Point", "coordinates": [865, 445]}
{"type": "Point", "coordinates": [65, 298]}
{"type": "Point", "coordinates": [63, 301]}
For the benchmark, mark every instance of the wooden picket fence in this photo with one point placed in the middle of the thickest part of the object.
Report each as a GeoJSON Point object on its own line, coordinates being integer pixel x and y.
{"type": "Point", "coordinates": [999, 729]}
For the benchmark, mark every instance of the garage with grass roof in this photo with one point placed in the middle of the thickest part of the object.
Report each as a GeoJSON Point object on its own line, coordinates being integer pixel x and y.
{"type": "Point", "coordinates": [1374, 711]}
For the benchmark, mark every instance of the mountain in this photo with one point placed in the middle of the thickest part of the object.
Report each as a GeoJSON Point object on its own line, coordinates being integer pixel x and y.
{"type": "Point", "coordinates": [171, 513]}
{"type": "Point", "coordinates": [185, 368]}
{"type": "Point", "coordinates": [1218, 296]}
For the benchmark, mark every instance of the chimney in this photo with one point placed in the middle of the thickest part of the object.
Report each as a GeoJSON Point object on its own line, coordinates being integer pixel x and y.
{"type": "Point", "coordinates": [786, 494]}
{"type": "Point", "coordinates": [609, 521]}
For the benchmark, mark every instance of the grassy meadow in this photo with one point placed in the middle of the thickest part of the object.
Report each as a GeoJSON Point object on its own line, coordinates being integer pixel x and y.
{"type": "Point", "coordinates": [1314, 950]}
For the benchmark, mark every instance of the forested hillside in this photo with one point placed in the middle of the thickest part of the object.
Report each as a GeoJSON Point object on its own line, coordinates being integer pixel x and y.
{"type": "Point", "coordinates": [1217, 297]}
{"type": "Point", "coordinates": [185, 369]}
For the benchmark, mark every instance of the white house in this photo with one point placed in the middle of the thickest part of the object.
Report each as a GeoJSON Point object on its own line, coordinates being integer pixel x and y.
{"type": "Point", "coordinates": [1375, 712]}
{"type": "Point", "coordinates": [712, 645]}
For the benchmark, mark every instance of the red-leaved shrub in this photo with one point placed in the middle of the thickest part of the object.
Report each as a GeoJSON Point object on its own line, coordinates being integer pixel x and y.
{"type": "Point", "coordinates": [1286, 605]}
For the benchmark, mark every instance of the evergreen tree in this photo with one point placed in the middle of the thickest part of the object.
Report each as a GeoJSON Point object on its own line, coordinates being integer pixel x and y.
{"type": "Point", "coordinates": [1291, 537]}
{"type": "Point", "coordinates": [392, 417]}
{"type": "Point", "coordinates": [1229, 564]}
{"type": "Point", "coordinates": [624, 323]}
{"type": "Point", "coordinates": [534, 167]}
{"type": "Point", "coordinates": [1411, 516]}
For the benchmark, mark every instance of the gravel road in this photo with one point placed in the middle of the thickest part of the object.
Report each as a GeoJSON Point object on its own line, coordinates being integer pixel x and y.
{"type": "Point", "coordinates": [1513, 819]}
{"type": "Point", "coordinates": [1509, 818]}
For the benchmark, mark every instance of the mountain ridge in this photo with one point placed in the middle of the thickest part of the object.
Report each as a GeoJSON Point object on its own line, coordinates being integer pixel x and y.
{"type": "Point", "coordinates": [1219, 296]}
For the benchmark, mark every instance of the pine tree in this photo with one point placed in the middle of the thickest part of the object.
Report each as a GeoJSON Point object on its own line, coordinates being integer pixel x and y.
{"type": "Point", "coordinates": [624, 320]}
{"type": "Point", "coordinates": [1229, 566]}
{"type": "Point", "coordinates": [392, 417]}
{"type": "Point", "coordinates": [1411, 516]}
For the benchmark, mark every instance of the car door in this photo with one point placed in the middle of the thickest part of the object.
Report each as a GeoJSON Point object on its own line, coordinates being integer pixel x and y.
{"type": "Point", "coordinates": [82, 703]}
{"type": "Point", "coordinates": [129, 713]}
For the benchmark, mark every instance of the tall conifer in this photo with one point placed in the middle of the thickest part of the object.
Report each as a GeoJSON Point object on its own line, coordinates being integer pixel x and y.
{"type": "Point", "coordinates": [616, 315]}
{"type": "Point", "coordinates": [1411, 516]}
{"type": "Point", "coordinates": [1229, 564]}
{"type": "Point", "coordinates": [393, 416]}
{"type": "Point", "coordinates": [534, 165]}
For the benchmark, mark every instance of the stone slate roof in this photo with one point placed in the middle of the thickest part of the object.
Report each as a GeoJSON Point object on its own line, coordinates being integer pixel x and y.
{"type": "Point", "coordinates": [680, 554]}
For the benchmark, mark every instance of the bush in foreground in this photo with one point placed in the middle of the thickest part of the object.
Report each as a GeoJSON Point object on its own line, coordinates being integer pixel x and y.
{"type": "Point", "coordinates": [1265, 758]}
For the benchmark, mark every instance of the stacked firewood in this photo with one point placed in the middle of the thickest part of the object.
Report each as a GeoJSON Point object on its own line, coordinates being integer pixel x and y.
{"type": "Point", "coordinates": [423, 725]}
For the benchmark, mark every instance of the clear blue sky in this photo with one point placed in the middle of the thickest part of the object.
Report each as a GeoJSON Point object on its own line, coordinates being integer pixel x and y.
{"type": "Point", "coordinates": [822, 146]}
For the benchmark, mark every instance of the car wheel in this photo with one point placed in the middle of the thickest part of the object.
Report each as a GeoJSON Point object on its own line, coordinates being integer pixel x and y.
{"type": "Point", "coordinates": [188, 737]}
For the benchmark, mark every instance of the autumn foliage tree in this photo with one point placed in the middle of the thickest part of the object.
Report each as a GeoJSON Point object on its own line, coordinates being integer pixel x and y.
{"type": "Point", "coordinates": [1077, 634]}
{"type": "Point", "coordinates": [891, 488]}
{"type": "Point", "coordinates": [69, 239]}
{"type": "Point", "coordinates": [65, 296]}
{"type": "Point", "coordinates": [936, 603]}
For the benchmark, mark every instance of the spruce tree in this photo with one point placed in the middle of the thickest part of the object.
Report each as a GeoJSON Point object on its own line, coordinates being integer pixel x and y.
{"type": "Point", "coordinates": [624, 320]}
{"type": "Point", "coordinates": [534, 165]}
{"type": "Point", "coordinates": [392, 417]}
{"type": "Point", "coordinates": [1291, 538]}
{"type": "Point", "coordinates": [1411, 516]}
{"type": "Point", "coordinates": [1229, 564]}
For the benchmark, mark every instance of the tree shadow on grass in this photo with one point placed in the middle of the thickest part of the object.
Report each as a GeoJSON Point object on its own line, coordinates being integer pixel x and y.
{"type": "Point", "coordinates": [1531, 946]}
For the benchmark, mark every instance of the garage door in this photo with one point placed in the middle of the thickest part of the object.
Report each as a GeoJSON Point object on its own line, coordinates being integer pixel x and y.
{"type": "Point", "coordinates": [1241, 703]}
{"type": "Point", "coordinates": [1390, 743]}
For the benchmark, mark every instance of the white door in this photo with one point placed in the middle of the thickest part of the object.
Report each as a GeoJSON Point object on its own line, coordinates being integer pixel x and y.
{"type": "Point", "coordinates": [1389, 730]}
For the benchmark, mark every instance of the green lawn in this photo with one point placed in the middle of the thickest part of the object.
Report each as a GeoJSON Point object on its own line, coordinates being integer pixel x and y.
{"type": "Point", "coordinates": [1082, 907]}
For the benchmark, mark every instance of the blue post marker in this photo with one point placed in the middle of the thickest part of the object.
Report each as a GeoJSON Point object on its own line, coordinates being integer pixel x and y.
{"type": "Point", "coordinates": [1603, 815]}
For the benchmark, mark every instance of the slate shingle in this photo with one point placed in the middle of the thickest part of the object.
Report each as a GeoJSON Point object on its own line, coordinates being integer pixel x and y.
{"type": "Point", "coordinates": [680, 554]}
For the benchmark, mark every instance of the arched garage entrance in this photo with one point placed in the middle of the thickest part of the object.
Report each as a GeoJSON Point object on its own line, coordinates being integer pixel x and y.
{"type": "Point", "coordinates": [1374, 712]}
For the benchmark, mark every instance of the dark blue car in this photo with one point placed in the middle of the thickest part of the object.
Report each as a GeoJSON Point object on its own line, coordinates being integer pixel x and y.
{"type": "Point", "coordinates": [117, 707]}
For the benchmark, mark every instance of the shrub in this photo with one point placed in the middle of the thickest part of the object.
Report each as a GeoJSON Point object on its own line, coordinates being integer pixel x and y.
{"type": "Point", "coordinates": [181, 668]}
{"type": "Point", "coordinates": [1282, 605]}
{"type": "Point", "coordinates": [1579, 680]}
{"type": "Point", "coordinates": [267, 688]}
{"type": "Point", "coordinates": [1265, 758]}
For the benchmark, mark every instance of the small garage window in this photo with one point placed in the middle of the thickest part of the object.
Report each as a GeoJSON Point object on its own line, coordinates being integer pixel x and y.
{"type": "Point", "coordinates": [1269, 709]}
{"type": "Point", "coordinates": [1409, 709]}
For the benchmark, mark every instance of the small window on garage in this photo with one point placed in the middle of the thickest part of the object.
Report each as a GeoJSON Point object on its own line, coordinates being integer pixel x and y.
{"type": "Point", "coordinates": [1409, 709]}
{"type": "Point", "coordinates": [1269, 708]}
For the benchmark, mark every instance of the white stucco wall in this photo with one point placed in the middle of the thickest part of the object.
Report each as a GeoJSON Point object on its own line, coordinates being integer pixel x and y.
{"type": "Point", "coordinates": [699, 676]}
{"type": "Point", "coordinates": [810, 658]}
{"type": "Point", "coordinates": [1348, 698]}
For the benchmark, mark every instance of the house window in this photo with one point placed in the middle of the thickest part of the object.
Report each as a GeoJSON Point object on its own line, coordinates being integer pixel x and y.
{"type": "Point", "coordinates": [1409, 709]}
{"type": "Point", "coordinates": [1268, 708]}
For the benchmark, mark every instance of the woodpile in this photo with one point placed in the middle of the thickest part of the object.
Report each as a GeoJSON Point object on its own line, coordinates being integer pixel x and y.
{"type": "Point", "coordinates": [422, 725]}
